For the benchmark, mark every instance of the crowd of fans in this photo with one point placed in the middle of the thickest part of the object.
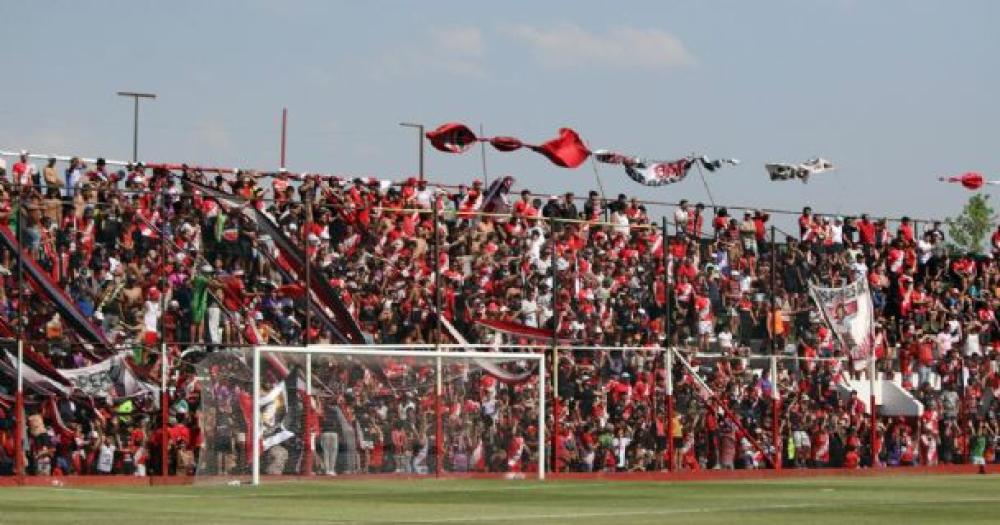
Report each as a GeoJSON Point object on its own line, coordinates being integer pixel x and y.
{"type": "Point", "coordinates": [150, 259]}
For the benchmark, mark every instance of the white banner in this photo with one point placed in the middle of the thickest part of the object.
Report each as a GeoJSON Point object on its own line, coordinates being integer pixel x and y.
{"type": "Point", "coordinates": [111, 377]}
{"type": "Point", "coordinates": [849, 312]}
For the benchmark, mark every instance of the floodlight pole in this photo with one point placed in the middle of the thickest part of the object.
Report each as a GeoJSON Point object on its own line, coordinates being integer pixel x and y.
{"type": "Point", "coordinates": [135, 118]}
{"type": "Point", "coordinates": [420, 143]}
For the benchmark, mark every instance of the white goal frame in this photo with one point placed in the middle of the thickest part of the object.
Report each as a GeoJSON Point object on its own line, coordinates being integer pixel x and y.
{"type": "Point", "coordinates": [454, 351]}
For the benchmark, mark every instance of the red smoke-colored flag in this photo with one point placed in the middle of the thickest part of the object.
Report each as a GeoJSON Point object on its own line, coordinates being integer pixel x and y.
{"type": "Point", "coordinates": [452, 138]}
{"type": "Point", "coordinates": [971, 180]}
{"type": "Point", "coordinates": [567, 150]}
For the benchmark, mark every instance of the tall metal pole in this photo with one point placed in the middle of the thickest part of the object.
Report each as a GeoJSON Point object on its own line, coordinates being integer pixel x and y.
{"type": "Point", "coordinates": [776, 415]}
{"type": "Point", "coordinates": [439, 369]}
{"type": "Point", "coordinates": [555, 344]}
{"type": "Point", "coordinates": [135, 130]}
{"type": "Point", "coordinates": [284, 131]}
{"type": "Point", "coordinates": [135, 118]}
{"type": "Point", "coordinates": [308, 258]}
{"type": "Point", "coordinates": [775, 394]}
{"type": "Point", "coordinates": [670, 408]}
{"type": "Point", "coordinates": [420, 143]}
{"type": "Point", "coordinates": [19, 413]}
{"type": "Point", "coordinates": [164, 351]}
{"type": "Point", "coordinates": [667, 313]}
{"type": "Point", "coordinates": [19, 398]}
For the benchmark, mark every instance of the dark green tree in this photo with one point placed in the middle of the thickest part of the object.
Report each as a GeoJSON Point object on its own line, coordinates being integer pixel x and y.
{"type": "Point", "coordinates": [968, 230]}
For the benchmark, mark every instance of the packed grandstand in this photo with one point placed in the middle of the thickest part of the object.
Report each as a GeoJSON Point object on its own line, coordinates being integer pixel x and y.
{"type": "Point", "coordinates": [121, 262]}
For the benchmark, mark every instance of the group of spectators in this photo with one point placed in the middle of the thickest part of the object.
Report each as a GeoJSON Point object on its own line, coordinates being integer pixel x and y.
{"type": "Point", "coordinates": [152, 260]}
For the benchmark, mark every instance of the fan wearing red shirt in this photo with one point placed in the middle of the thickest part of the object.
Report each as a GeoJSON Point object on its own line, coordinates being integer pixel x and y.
{"type": "Point", "coordinates": [806, 225]}
{"type": "Point", "coordinates": [523, 207]}
{"type": "Point", "coordinates": [759, 221]}
{"type": "Point", "coordinates": [905, 231]}
{"type": "Point", "coordinates": [695, 220]}
{"type": "Point", "coordinates": [866, 230]}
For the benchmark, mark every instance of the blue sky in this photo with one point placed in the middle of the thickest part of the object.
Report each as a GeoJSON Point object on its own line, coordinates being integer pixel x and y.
{"type": "Point", "coordinates": [896, 93]}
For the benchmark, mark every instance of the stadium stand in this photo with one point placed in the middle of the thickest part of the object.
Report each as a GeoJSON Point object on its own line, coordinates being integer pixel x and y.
{"type": "Point", "coordinates": [118, 262]}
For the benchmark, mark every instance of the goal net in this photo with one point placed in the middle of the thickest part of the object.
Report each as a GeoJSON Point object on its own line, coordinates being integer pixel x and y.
{"type": "Point", "coordinates": [330, 410]}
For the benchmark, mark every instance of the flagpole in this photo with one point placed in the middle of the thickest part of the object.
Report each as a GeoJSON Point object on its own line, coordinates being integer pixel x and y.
{"type": "Point", "coordinates": [705, 182]}
{"type": "Point", "coordinates": [600, 184]}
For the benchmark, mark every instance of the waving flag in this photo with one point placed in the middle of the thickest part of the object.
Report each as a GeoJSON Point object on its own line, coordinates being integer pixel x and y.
{"type": "Point", "coordinates": [567, 150]}
{"type": "Point", "coordinates": [801, 171]}
{"type": "Point", "coordinates": [452, 138]}
{"type": "Point", "coordinates": [714, 164]}
{"type": "Point", "coordinates": [971, 180]}
{"type": "Point", "coordinates": [648, 172]}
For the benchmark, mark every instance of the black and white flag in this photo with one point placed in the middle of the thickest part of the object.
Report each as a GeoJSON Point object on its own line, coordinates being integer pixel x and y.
{"type": "Point", "coordinates": [801, 171]}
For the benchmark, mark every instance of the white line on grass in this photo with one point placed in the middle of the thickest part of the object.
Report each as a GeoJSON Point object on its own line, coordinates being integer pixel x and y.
{"type": "Point", "coordinates": [663, 512]}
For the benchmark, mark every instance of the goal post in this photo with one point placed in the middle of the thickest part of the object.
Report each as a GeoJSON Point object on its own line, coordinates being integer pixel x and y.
{"type": "Point", "coordinates": [414, 410]}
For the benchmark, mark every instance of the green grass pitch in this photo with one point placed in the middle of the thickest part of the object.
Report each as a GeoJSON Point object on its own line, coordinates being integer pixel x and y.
{"type": "Point", "coordinates": [836, 500]}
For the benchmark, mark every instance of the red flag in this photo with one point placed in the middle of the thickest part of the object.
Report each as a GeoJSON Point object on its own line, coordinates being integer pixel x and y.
{"type": "Point", "coordinates": [506, 143]}
{"type": "Point", "coordinates": [567, 151]}
{"type": "Point", "coordinates": [452, 138]}
{"type": "Point", "coordinates": [970, 180]}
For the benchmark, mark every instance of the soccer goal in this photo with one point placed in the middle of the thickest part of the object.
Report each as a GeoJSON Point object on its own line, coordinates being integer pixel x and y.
{"type": "Point", "coordinates": [334, 410]}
